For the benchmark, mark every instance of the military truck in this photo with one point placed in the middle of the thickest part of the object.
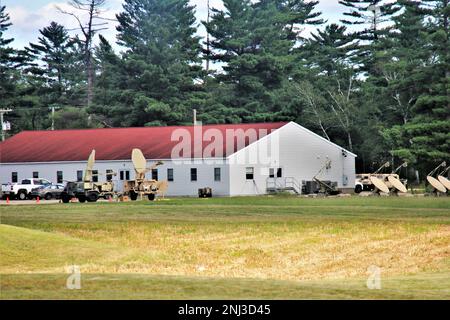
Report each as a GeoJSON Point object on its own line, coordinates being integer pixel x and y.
{"type": "Point", "coordinates": [87, 190]}
{"type": "Point", "coordinates": [363, 181]}
{"type": "Point", "coordinates": [141, 186]}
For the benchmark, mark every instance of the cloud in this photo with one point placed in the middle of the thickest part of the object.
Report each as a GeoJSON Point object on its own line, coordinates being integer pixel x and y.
{"type": "Point", "coordinates": [28, 19]}
{"type": "Point", "coordinates": [26, 22]}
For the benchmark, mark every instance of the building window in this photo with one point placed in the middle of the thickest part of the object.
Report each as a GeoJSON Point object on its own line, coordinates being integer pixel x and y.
{"type": "Point", "coordinates": [79, 175]}
{"type": "Point", "coordinates": [279, 173]}
{"type": "Point", "coordinates": [271, 173]}
{"type": "Point", "coordinates": [170, 174]}
{"type": "Point", "coordinates": [94, 175]}
{"type": "Point", "coordinates": [35, 175]}
{"type": "Point", "coordinates": [14, 177]}
{"type": "Point", "coordinates": [216, 174]}
{"type": "Point", "coordinates": [193, 174]}
{"type": "Point", "coordinates": [124, 175]}
{"type": "Point", "coordinates": [59, 177]}
{"type": "Point", "coordinates": [249, 173]}
{"type": "Point", "coordinates": [109, 174]}
{"type": "Point", "coordinates": [155, 174]}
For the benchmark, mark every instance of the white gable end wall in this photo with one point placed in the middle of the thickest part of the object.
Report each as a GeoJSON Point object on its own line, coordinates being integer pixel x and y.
{"type": "Point", "coordinates": [252, 156]}
{"type": "Point", "coordinates": [302, 154]}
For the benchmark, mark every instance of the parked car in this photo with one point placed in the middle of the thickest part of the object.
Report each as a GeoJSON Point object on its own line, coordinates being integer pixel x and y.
{"type": "Point", "coordinates": [47, 192]}
{"type": "Point", "coordinates": [22, 190]}
{"type": "Point", "coordinates": [4, 185]}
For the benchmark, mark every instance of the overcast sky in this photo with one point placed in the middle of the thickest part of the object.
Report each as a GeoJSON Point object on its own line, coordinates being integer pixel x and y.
{"type": "Point", "coordinates": [28, 16]}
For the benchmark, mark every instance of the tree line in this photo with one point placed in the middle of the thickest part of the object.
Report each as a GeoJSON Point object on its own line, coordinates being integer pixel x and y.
{"type": "Point", "coordinates": [377, 82]}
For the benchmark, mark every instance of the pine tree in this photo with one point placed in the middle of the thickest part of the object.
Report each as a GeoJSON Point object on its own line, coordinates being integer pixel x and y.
{"type": "Point", "coordinates": [7, 76]}
{"type": "Point", "coordinates": [406, 52]}
{"type": "Point", "coordinates": [108, 64]}
{"type": "Point", "coordinates": [430, 128]}
{"type": "Point", "coordinates": [421, 84]}
{"type": "Point", "coordinates": [93, 23]}
{"type": "Point", "coordinates": [254, 42]}
{"type": "Point", "coordinates": [297, 13]}
{"type": "Point", "coordinates": [371, 14]}
{"type": "Point", "coordinates": [162, 62]}
{"type": "Point", "coordinates": [54, 50]}
{"type": "Point", "coordinates": [373, 18]}
{"type": "Point", "coordinates": [327, 49]}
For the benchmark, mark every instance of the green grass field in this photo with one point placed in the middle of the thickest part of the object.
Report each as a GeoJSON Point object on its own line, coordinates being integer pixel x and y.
{"type": "Point", "coordinates": [231, 248]}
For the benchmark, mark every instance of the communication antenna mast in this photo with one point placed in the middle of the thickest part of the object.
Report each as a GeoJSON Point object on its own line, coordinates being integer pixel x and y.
{"type": "Point", "coordinates": [403, 165]}
{"type": "Point", "coordinates": [443, 164]}
{"type": "Point", "coordinates": [2, 112]}
{"type": "Point", "coordinates": [435, 183]}
{"type": "Point", "coordinates": [207, 38]}
{"type": "Point", "coordinates": [385, 165]}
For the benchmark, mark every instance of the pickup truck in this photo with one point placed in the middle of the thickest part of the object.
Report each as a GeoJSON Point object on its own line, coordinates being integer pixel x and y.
{"type": "Point", "coordinates": [22, 190]}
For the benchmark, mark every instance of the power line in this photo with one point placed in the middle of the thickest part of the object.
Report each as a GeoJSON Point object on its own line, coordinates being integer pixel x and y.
{"type": "Point", "coordinates": [45, 107]}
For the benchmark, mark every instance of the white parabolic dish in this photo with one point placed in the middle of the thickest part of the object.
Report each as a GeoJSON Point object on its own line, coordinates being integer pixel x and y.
{"type": "Point", "coordinates": [380, 185]}
{"type": "Point", "coordinates": [139, 162]}
{"type": "Point", "coordinates": [445, 182]}
{"type": "Point", "coordinates": [436, 184]}
{"type": "Point", "coordinates": [397, 184]}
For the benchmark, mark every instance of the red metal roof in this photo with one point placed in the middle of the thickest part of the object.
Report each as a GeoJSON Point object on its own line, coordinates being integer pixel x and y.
{"type": "Point", "coordinates": [109, 143]}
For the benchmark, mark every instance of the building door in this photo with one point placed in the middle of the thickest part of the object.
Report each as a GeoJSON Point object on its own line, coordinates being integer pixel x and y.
{"type": "Point", "coordinates": [124, 175]}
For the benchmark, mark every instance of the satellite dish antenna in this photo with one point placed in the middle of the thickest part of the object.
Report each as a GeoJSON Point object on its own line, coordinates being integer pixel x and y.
{"type": "Point", "coordinates": [327, 188]}
{"type": "Point", "coordinates": [379, 184]}
{"type": "Point", "coordinates": [444, 181]}
{"type": "Point", "coordinates": [435, 183]}
{"type": "Point", "coordinates": [140, 185]}
{"type": "Point", "coordinates": [397, 184]}
{"type": "Point", "coordinates": [139, 162]}
{"type": "Point", "coordinates": [89, 167]}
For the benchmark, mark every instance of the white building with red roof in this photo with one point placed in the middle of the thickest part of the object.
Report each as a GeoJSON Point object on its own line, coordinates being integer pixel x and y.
{"type": "Point", "coordinates": [232, 159]}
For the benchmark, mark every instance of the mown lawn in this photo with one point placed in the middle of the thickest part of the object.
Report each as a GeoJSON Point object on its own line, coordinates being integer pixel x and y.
{"type": "Point", "coordinates": [259, 247]}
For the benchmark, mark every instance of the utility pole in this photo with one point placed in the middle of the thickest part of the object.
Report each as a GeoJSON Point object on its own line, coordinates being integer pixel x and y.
{"type": "Point", "coordinates": [53, 107]}
{"type": "Point", "coordinates": [2, 112]}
